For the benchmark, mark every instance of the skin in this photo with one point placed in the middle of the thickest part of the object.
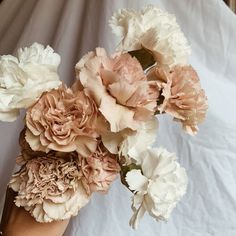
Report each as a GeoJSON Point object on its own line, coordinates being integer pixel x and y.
{"type": "Point", "coordinates": [18, 222]}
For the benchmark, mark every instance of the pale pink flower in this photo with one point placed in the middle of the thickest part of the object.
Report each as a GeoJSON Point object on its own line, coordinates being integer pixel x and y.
{"type": "Point", "coordinates": [50, 188]}
{"type": "Point", "coordinates": [99, 170]}
{"type": "Point", "coordinates": [183, 96]}
{"type": "Point", "coordinates": [119, 87]}
{"type": "Point", "coordinates": [63, 120]}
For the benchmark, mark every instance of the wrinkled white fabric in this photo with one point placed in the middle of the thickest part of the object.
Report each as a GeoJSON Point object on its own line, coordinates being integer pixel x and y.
{"type": "Point", "coordinates": [73, 28]}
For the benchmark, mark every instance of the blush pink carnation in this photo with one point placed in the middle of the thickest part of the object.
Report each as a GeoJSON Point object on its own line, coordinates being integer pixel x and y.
{"type": "Point", "coordinates": [99, 170]}
{"type": "Point", "coordinates": [50, 188]}
{"type": "Point", "coordinates": [119, 87]}
{"type": "Point", "coordinates": [183, 96]}
{"type": "Point", "coordinates": [63, 120]}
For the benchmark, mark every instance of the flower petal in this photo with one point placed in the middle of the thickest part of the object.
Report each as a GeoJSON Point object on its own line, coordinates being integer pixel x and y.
{"type": "Point", "coordinates": [136, 181]}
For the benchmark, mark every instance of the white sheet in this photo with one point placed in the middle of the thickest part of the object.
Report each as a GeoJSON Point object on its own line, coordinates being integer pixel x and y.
{"type": "Point", "coordinates": [74, 27]}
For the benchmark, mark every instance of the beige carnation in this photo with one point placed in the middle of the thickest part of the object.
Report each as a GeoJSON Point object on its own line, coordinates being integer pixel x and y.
{"type": "Point", "coordinates": [62, 120]}
{"type": "Point", "coordinates": [50, 188]}
{"type": "Point", "coordinates": [119, 87]}
{"type": "Point", "coordinates": [183, 96]}
{"type": "Point", "coordinates": [99, 170]}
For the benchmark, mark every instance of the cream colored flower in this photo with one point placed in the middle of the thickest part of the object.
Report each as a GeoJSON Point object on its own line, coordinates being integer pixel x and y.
{"type": "Point", "coordinates": [158, 186]}
{"type": "Point", "coordinates": [24, 79]}
{"type": "Point", "coordinates": [138, 142]}
{"type": "Point", "coordinates": [50, 188]}
{"type": "Point", "coordinates": [184, 98]}
{"type": "Point", "coordinates": [129, 143]}
{"type": "Point", "coordinates": [38, 54]}
{"type": "Point", "coordinates": [63, 120]}
{"type": "Point", "coordinates": [153, 29]}
{"type": "Point", "coordinates": [119, 87]}
{"type": "Point", "coordinates": [99, 170]}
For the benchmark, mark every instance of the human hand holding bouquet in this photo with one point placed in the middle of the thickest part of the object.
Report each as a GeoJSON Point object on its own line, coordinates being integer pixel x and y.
{"type": "Point", "coordinates": [77, 140]}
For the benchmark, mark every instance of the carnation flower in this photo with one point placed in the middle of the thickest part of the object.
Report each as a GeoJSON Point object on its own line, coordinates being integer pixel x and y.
{"type": "Point", "coordinates": [129, 143]}
{"type": "Point", "coordinates": [62, 120]}
{"type": "Point", "coordinates": [50, 188]}
{"type": "Point", "coordinates": [143, 138]}
{"type": "Point", "coordinates": [24, 79]}
{"type": "Point", "coordinates": [158, 186]}
{"type": "Point", "coordinates": [183, 96]}
{"type": "Point", "coordinates": [38, 54]}
{"type": "Point", "coordinates": [99, 170]}
{"type": "Point", "coordinates": [153, 29]}
{"type": "Point", "coordinates": [119, 87]}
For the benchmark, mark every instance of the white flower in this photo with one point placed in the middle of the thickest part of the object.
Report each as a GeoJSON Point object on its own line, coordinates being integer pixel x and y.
{"type": "Point", "coordinates": [130, 143]}
{"type": "Point", "coordinates": [144, 137]}
{"type": "Point", "coordinates": [153, 29]}
{"type": "Point", "coordinates": [24, 79]}
{"type": "Point", "coordinates": [158, 187]}
{"type": "Point", "coordinates": [37, 54]}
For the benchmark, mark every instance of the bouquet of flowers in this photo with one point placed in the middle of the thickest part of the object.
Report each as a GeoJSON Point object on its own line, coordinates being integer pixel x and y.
{"type": "Point", "coordinates": [78, 139]}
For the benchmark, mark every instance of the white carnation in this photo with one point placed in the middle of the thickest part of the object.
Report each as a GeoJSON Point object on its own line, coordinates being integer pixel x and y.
{"type": "Point", "coordinates": [37, 54]}
{"type": "Point", "coordinates": [159, 186]}
{"type": "Point", "coordinates": [24, 79]}
{"type": "Point", "coordinates": [129, 143]}
{"type": "Point", "coordinates": [138, 142]}
{"type": "Point", "coordinates": [153, 29]}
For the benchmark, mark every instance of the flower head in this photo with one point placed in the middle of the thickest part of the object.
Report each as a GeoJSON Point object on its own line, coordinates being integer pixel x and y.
{"type": "Point", "coordinates": [24, 79]}
{"type": "Point", "coordinates": [99, 170]}
{"type": "Point", "coordinates": [62, 120]}
{"type": "Point", "coordinates": [119, 87]}
{"type": "Point", "coordinates": [183, 96]}
{"type": "Point", "coordinates": [50, 188]}
{"type": "Point", "coordinates": [128, 143]}
{"type": "Point", "coordinates": [39, 55]}
{"type": "Point", "coordinates": [153, 29]}
{"type": "Point", "coordinates": [158, 186]}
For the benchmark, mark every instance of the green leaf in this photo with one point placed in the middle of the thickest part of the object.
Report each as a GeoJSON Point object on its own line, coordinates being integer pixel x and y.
{"type": "Point", "coordinates": [144, 57]}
